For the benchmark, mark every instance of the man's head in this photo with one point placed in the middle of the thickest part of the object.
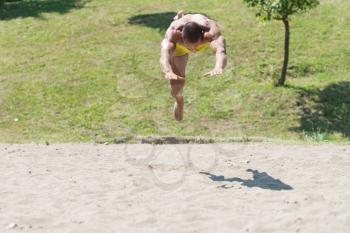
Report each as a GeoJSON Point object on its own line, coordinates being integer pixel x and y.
{"type": "Point", "coordinates": [192, 34]}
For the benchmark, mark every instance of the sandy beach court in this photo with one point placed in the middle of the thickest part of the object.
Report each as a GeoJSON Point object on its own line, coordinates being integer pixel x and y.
{"type": "Point", "coordinates": [174, 188]}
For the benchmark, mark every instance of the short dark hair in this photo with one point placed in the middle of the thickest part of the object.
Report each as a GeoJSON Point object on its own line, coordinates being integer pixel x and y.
{"type": "Point", "coordinates": [192, 32]}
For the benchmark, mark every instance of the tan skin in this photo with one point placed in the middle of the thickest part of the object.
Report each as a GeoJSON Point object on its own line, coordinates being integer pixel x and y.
{"type": "Point", "coordinates": [174, 67]}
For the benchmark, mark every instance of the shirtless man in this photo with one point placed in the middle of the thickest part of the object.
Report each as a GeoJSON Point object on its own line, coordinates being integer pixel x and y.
{"type": "Point", "coordinates": [189, 33]}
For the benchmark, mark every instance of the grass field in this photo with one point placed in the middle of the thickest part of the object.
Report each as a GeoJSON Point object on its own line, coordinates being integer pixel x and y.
{"type": "Point", "coordinates": [89, 70]}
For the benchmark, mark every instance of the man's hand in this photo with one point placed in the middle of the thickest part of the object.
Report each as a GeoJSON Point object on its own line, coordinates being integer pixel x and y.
{"type": "Point", "coordinates": [213, 72]}
{"type": "Point", "coordinates": [171, 76]}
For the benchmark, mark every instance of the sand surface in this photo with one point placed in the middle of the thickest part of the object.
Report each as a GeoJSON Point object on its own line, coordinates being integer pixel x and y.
{"type": "Point", "coordinates": [174, 188]}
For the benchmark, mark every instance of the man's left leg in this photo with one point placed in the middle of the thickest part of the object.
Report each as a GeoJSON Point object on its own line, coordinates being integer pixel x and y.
{"type": "Point", "coordinates": [178, 65]}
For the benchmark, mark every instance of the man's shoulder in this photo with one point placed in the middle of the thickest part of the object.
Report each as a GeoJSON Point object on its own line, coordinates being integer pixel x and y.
{"type": "Point", "coordinates": [190, 17]}
{"type": "Point", "coordinates": [195, 17]}
{"type": "Point", "coordinates": [184, 18]}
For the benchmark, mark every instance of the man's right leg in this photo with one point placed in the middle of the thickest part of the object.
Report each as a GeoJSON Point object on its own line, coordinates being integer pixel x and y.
{"type": "Point", "coordinates": [178, 64]}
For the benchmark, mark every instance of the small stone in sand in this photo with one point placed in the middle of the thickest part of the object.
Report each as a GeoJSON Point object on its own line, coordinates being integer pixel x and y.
{"type": "Point", "coordinates": [11, 226]}
{"type": "Point", "coordinates": [247, 161]}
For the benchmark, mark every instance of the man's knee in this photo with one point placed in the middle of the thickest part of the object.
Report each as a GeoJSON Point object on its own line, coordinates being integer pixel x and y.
{"type": "Point", "coordinates": [177, 89]}
{"type": "Point", "coordinates": [177, 94]}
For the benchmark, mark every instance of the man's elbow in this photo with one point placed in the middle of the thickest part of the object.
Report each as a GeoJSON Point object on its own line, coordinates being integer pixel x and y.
{"type": "Point", "coordinates": [167, 46]}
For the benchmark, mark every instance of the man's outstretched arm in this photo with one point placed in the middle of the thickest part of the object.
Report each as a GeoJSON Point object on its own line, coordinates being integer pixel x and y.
{"type": "Point", "coordinates": [219, 47]}
{"type": "Point", "coordinates": [217, 43]}
{"type": "Point", "coordinates": [165, 53]}
{"type": "Point", "coordinates": [167, 48]}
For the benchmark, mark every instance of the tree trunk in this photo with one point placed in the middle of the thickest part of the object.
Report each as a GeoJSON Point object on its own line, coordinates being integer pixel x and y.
{"type": "Point", "coordinates": [286, 54]}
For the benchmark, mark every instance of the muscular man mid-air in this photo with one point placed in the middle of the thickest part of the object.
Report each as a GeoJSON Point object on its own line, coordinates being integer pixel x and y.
{"type": "Point", "coordinates": [186, 34]}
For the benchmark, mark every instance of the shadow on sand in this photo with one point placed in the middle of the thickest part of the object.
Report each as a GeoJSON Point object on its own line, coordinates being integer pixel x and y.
{"type": "Point", "coordinates": [260, 180]}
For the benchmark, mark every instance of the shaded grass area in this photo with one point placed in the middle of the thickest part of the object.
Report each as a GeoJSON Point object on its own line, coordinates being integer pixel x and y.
{"type": "Point", "coordinates": [92, 73]}
{"type": "Point", "coordinates": [325, 112]}
{"type": "Point", "coordinates": [159, 20]}
{"type": "Point", "coordinates": [34, 8]}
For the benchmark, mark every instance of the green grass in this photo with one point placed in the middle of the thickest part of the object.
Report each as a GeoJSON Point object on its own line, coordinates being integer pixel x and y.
{"type": "Point", "coordinates": [89, 70]}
